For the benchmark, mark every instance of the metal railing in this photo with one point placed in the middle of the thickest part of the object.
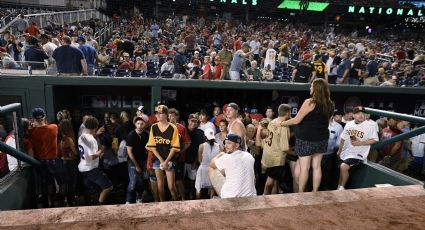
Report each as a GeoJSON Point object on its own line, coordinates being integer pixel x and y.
{"type": "Point", "coordinates": [60, 18]}
{"type": "Point", "coordinates": [104, 34]}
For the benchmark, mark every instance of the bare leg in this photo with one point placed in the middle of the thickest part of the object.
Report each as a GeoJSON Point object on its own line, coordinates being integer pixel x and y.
{"type": "Point", "coordinates": [316, 164]}
{"type": "Point", "coordinates": [268, 188]}
{"type": "Point", "coordinates": [304, 169]}
{"type": "Point", "coordinates": [160, 184]}
{"type": "Point", "coordinates": [343, 176]}
{"type": "Point", "coordinates": [295, 169]}
{"type": "Point", "coordinates": [180, 188]}
{"type": "Point", "coordinates": [171, 183]}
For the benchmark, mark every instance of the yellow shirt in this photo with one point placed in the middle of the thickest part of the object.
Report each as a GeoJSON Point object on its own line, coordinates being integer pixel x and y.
{"type": "Point", "coordinates": [275, 145]}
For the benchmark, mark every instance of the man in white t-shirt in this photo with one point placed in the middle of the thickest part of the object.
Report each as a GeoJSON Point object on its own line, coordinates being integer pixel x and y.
{"type": "Point", "coordinates": [356, 139]}
{"type": "Point", "coordinates": [238, 168]}
{"type": "Point", "coordinates": [89, 159]}
{"type": "Point", "coordinates": [417, 147]}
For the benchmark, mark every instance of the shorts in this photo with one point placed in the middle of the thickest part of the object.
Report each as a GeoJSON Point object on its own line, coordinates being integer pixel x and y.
{"type": "Point", "coordinates": [191, 173]}
{"type": "Point", "coordinates": [156, 165]}
{"type": "Point", "coordinates": [308, 148]}
{"type": "Point", "coordinates": [97, 177]}
{"type": "Point", "coordinates": [352, 162]}
{"type": "Point", "coordinates": [276, 172]}
{"type": "Point", "coordinates": [179, 171]}
{"type": "Point", "coordinates": [46, 174]}
{"type": "Point", "coordinates": [290, 157]}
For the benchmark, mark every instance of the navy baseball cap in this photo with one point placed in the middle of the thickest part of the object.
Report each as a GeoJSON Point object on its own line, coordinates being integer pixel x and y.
{"type": "Point", "coordinates": [233, 138]}
{"type": "Point", "coordinates": [38, 113]}
{"type": "Point", "coordinates": [81, 38]}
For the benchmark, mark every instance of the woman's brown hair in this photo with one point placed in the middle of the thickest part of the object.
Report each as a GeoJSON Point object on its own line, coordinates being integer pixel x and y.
{"type": "Point", "coordinates": [322, 97]}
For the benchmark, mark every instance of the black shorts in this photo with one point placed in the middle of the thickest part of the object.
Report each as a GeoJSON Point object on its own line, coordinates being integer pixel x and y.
{"type": "Point", "coordinates": [276, 172]}
{"type": "Point", "coordinates": [291, 157]}
{"type": "Point", "coordinates": [46, 174]}
{"type": "Point", "coordinates": [352, 162]}
{"type": "Point", "coordinates": [97, 177]}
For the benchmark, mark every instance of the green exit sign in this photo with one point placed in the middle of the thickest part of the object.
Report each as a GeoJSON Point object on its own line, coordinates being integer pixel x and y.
{"type": "Point", "coordinates": [298, 5]}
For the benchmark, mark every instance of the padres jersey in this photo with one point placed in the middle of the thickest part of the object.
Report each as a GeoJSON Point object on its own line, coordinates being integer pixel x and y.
{"type": "Point", "coordinates": [320, 68]}
{"type": "Point", "coordinates": [362, 132]}
{"type": "Point", "coordinates": [275, 145]}
{"type": "Point", "coordinates": [164, 141]}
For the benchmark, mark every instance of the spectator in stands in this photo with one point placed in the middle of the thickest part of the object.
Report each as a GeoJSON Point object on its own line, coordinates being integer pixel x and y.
{"type": "Point", "coordinates": [356, 140]}
{"type": "Point", "coordinates": [343, 69]}
{"type": "Point", "coordinates": [253, 73]}
{"type": "Point", "coordinates": [226, 58]}
{"type": "Point", "coordinates": [7, 61]}
{"type": "Point", "coordinates": [207, 69]}
{"type": "Point", "coordinates": [391, 153]}
{"type": "Point", "coordinates": [34, 55]}
{"type": "Point", "coordinates": [238, 60]}
{"type": "Point", "coordinates": [137, 154]}
{"type": "Point", "coordinates": [90, 41]}
{"type": "Point", "coordinates": [126, 63]}
{"type": "Point", "coordinates": [103, 58]}
{"type": "Point", "coordinates": [218, 74]}
{"type": "Point", "coordinates": [321, 70]}
{"type": "Point", "coordinates": [372, 65]}
{"type": "Point", "coordinates": [33, 30]}
{"type": "Point", "coordinates": [270, 58]}
{"type": "Point", "coordinates": [267, 73]}
{"type": "Point", "coordinates": [69, 60]}
{"type": "Point", "coordinates": [238, 168]}
{"type": "Point", "coordinates": [303, 71]}
{"type": "Point", "coordinates": [196, 71]}
{"type": "Point", "coordinates": [391, 82]}
{"type": "Point", "coordinates": [43, 137]}
{"type": "Point", "coordinates": [90, 54]}
{"type": "Point", "coordinates": [355, 76]}
{"type": "Point", "coordinates": [180, 65]}
{"type": "Point", "coordinates": [89, 160]}
{"type": "Point", "coordinates": [140, 65]}
{"type": "Point", "coordinates": [21, 23]}
{"type": "Point", "coordinates": [49, 48]}
{"type": "Point", "coordinates": [331, 65]}
{"type": "Point", "coordinates": [15, 48]}
{"type": "Point", "coordinates": [167, 69]}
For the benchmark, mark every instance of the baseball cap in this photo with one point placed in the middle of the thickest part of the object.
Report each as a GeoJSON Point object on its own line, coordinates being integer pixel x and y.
{"type": "Point", "coordinates": [81, 38]}
{"type": "Point", "coordinates": [233, 138]}
{"type": "Point", "coordinates": [359, 109]}
{"type": "Point", "coordinates": [209, 134]}
{"type": "Point", "coordinates": [140, 108]}
{"type": "Point", "coordinates": [162, 109]}
{"type": "Point", "coordinates": [193, 116]}
{"type": "Point", "coordinates": [196, 52]}
{"type": "Point", "coordinates": [38, 113]}
{"type": "Point", "coordinates": [233, 105]}
{"type": "Point", "coordinates": [143, 117]}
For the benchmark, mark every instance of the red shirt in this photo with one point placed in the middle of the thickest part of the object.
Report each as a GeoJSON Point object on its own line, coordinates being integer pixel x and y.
{"type": "Point", "coordinates": [237, 45]}
{"type": "Point", "coordinates": [387, 133]}
{"type": "Point", "coordinates": [128, 65]}
{"type": "Point", "coordinates": [162, 52]}
{"type": "Point", "coordinates": [44, 142]}
{"type": "Point", "coordinates": [207, 68]}
{"type": "Point", "coordinates": [218, 69]}
{"type": "Point", "coordinates": [184, 139]}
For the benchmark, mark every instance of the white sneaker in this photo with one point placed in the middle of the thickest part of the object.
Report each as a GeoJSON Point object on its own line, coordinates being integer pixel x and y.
{"type": "Point", "coordinates": [139, 201]}
{"type": "Point", "coordinates": [341, 188]}
{"type": "Point", "coordinates": [127, 202]}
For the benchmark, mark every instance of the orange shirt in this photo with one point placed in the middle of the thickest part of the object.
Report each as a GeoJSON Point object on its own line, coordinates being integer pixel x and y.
{"type": "Point", "coordinates": [44, 141]}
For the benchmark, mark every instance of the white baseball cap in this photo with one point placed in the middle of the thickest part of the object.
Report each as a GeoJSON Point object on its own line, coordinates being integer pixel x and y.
{"type": "Point", "coordinates": [209, 134]}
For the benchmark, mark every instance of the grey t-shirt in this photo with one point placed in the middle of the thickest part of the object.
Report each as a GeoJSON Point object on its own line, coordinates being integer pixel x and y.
{"type": "Point", "coordinates": [237, 61]}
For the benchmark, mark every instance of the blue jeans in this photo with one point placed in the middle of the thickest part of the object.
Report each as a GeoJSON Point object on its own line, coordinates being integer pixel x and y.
{"type": "Point", "coordinates": [135, 185]}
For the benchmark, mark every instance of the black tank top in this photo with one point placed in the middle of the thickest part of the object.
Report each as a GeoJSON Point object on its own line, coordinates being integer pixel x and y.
{"type": "Point", "coordinates": [314, 127]}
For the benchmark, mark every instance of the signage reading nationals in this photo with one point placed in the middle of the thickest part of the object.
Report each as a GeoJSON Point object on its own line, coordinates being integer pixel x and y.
{"type": "Point", "coordinates": [385, 11]}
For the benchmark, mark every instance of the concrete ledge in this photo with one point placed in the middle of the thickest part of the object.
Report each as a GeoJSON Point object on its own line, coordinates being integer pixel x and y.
{"type": "Point", "coordinates": [110, 213]}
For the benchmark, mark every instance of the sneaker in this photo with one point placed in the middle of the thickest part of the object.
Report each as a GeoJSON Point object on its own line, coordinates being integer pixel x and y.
{"type": "Point", "coordinates": [139, 201]}
{"type": "Point", "coordinates": [341, 188]}
{"type": "Point", "coordinates": [127, 202]}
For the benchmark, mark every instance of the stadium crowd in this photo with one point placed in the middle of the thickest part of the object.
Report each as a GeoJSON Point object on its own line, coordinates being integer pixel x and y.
{"type": "Point", "coordinates": [214, 49]}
